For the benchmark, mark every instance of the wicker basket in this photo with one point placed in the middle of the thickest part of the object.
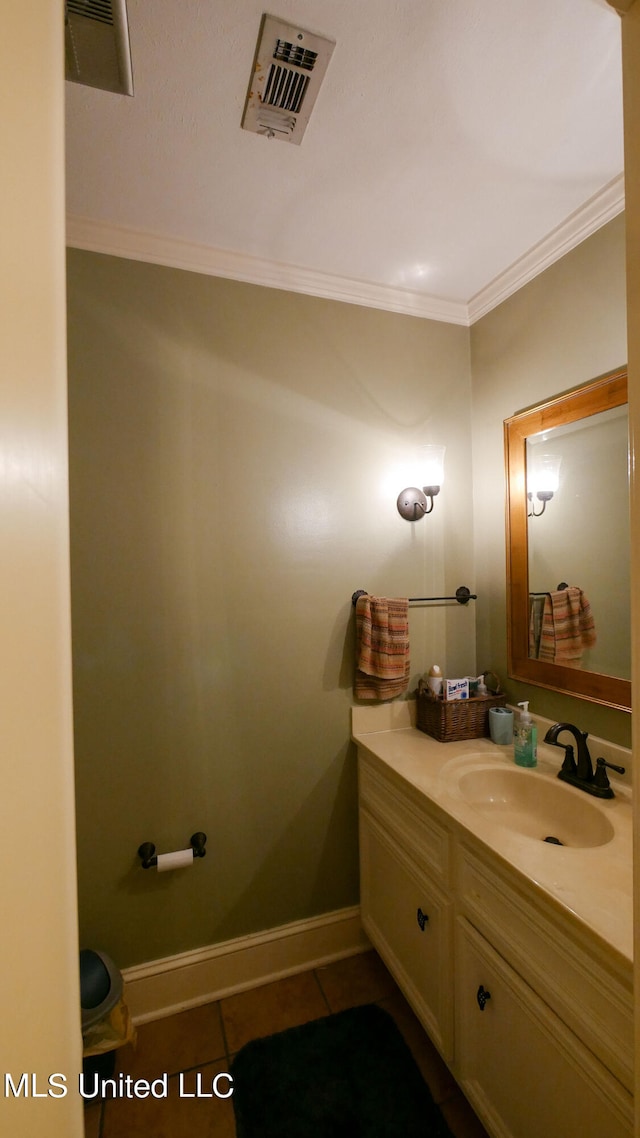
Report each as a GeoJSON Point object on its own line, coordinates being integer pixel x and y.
{"type": "Point", "coordinates": [454, 719]}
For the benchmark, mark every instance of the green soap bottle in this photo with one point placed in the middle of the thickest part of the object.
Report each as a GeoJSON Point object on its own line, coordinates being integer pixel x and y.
{"type": "Point", "coordinates": [525, 738]}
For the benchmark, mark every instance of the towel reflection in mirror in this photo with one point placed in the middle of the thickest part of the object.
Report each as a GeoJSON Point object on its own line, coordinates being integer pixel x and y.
{"type": "Point", "coordinates": [561, 626]}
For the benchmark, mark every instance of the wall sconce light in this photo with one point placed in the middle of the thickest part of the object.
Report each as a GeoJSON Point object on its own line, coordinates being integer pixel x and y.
{"type": "Point", "coordinates": [543, 482]}
{"type": "Point", "coordinates": [414, 503]}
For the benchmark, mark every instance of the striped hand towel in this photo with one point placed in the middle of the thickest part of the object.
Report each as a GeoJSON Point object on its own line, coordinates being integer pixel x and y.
{"type": "Point", "coordinates": [382, 647]}
{"type": "Point", "coordinates": [567, 627]}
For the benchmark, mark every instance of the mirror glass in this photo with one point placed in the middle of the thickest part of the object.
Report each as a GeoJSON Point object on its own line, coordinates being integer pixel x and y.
{"type": "Point", "coordinates": [583, 537]}
{"type": "Point", "coordinates": [568, 543]}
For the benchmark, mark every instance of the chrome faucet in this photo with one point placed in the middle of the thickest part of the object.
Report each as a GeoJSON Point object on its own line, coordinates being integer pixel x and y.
{"type": "Point", "coordinates": [580, 772]}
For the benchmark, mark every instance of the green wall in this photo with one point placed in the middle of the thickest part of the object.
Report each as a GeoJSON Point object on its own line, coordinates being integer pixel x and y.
{"type": "Point", "coordinates": [562, 329]}
{"type": "Point", "coordinates": [236, 453]}
{"type": "Point", "coordinates": [235, 457]}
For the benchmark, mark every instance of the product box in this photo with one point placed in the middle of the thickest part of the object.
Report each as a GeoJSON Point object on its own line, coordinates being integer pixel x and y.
{"type": "Point", "coordinates": [456, 689]}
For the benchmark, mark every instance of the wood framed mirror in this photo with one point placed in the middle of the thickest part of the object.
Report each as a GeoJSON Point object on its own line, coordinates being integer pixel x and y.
{"type": "Point", "coordinates": [568, 555]}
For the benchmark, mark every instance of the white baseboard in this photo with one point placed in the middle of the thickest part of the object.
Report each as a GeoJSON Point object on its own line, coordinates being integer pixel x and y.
{"type": "Point", "coordinates": [174, 983]}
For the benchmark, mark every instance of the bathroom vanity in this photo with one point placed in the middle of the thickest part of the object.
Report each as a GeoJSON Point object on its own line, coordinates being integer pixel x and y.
{"type": "Point", "coordinates": [514, 952]}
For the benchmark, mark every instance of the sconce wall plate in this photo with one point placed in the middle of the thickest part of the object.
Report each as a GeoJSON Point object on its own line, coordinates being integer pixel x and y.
{"type": "Point", "coordinates": [413, 503]}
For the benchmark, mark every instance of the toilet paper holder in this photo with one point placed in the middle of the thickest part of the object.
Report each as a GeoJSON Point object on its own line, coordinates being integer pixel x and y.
{"type": "Point", "coordinates": [149, 858]}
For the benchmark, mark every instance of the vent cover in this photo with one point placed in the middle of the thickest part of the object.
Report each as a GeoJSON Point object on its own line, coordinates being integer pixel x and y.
{"type": "Point", "coordinates": [289, 67]}
{"type": "Point", "coordinates": [96, 41]}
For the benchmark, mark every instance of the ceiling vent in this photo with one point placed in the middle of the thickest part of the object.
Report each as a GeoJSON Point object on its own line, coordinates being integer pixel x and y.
{"type": "Point", "coordinates": [289, 67]}
{"type": "Point", "coordinates": [96, 41]}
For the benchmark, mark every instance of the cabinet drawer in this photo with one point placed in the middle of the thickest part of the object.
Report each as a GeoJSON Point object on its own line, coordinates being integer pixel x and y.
{"type": "Point", "coordinates": [587, 992]}
{"type": "Point", "coordinates": [409, 921]}
{"type": "Point", "coordinates": [524, 1072]}
{"type": "Point", "coordinates": [415, 829]}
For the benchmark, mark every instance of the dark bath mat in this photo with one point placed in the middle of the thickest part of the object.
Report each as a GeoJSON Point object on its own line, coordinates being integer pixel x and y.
{"type": "Point", "coordinates": [349, 1075]}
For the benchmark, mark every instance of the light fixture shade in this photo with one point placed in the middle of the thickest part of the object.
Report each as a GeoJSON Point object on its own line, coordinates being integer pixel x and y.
{"type": "Point", "coordinates": [544, 476]}
{"type": "Point", "coordinates": [431, 459]}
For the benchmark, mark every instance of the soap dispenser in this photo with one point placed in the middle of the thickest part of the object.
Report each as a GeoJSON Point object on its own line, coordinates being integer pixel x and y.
{"type": "Point", "coordinates": [525, 735]}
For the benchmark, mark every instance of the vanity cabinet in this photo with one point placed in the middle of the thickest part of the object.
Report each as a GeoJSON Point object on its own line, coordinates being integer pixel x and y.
{"type": "Point", "coordinates": [522, 1070]}
{"type": "Point", "coordinates": [406, 905]}
{"type": "Point", "coordinates": [533, 1019]}
{"type": "Point", "coordinates": [409, 920]}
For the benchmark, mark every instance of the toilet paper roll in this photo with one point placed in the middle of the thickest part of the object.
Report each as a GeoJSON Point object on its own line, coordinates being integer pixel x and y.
{"type": "Point", "coordinates": [179, 859]}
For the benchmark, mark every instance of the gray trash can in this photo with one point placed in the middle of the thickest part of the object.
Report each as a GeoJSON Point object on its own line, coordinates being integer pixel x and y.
{"type": "Point", "coordinates": [100, 990]}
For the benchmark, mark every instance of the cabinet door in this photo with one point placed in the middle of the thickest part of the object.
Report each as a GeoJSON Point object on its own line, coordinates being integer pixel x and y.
{"type": "Point", "coordinates": [523, 1071]}
{"type": "Point", "coordinates": [409, 921]}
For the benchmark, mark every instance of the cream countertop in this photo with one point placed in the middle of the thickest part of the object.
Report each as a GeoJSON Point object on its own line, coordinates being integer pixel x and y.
{"type": "Point", "coordinates": [594, 884]}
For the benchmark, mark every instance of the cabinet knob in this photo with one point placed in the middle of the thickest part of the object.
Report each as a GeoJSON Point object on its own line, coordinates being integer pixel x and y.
{"type": "Point", "coordinates": [482, 996]}
{"type": "Point", "coordinates": [422, 919]}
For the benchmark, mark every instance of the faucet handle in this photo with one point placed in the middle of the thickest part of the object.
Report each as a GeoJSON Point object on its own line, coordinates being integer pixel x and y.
{"type": "Point", "coordinates": [569, 761]}
{"type": "Point", "coordinates": [601, 778]}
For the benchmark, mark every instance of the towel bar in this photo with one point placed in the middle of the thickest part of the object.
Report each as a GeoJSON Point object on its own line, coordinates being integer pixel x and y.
{"type": "Point", "coordinates": [462, 596]}
{"type": "Point", "coordinates": [561, 586]}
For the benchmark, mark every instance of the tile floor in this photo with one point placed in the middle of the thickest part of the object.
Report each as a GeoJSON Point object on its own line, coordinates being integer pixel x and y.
{"type": "Point", "coordinates": [205, 1039]}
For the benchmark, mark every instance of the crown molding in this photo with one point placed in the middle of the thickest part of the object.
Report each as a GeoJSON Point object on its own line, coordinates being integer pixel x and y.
{"type": "Point", "coordinates": [138, 245]}
{"type": "Point", "coordinates": [601, 208]}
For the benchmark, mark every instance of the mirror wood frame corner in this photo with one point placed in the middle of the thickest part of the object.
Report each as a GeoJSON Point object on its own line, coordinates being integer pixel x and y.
{"type": "Point", "coordinates": [602, 394]}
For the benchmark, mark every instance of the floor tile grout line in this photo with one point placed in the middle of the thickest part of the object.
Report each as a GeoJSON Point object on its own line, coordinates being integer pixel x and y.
{"type": "Point", "coordinates": [199, 1066]}
{"type": "Point", "coordinates": [227, 1053]}
{"type": "Point", "coordinates": [322, 991]}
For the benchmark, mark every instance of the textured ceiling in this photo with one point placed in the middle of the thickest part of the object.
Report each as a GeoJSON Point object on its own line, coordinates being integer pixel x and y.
{"type": "Point", "coordinates": [449, 139]}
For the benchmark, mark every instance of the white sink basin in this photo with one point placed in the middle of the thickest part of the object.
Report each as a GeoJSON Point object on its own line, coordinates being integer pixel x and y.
{"type": "Point", "coordinates": [535, 806]}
